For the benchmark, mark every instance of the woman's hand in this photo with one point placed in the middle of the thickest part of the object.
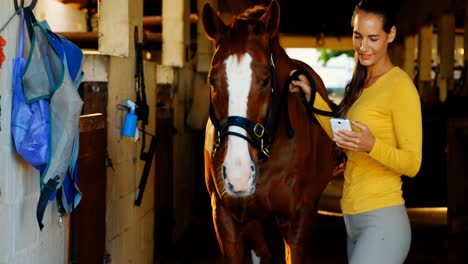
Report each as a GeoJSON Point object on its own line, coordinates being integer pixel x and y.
{"type": "Point", "coordinates": [303, 83]}
{"type": "Point", "coordinates": [362, 140]}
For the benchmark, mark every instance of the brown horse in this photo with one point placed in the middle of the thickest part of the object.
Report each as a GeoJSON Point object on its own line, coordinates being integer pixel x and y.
{"type": "Point", "coordinates": [265, 160]}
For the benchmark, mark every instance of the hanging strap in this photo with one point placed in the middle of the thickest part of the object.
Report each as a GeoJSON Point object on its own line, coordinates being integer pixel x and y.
{"type": "Point", "coordinates": [21, 40]}
{"type": "Point", "coordinates": [9, 19]}
{"type": "Point", "coordinates": [31, 5]}
{"type": "Point", "coordinates": [142, 110]}
{"type": "Point", "coordinates": [146, 170]}
{"type": "Point", "coordinates": [47, 190]}
{"type": "Point", "coordinates": [29, 20]}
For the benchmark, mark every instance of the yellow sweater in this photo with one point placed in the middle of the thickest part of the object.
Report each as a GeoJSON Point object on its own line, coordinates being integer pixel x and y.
{"type": "Point", "coordinates": [391, 109]}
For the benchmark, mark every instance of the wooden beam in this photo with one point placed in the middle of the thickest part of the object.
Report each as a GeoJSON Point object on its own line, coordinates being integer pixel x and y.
{"type": "Point", "coordinates": [235, 7]}
{"type": "Point", "coordinates": [324, 42]}
{"type": "Point", "coordinates": [152, 21]}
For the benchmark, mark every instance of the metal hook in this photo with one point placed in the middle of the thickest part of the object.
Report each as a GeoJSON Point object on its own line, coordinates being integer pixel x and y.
{"type": "Point", "coordinates": [31, 6]}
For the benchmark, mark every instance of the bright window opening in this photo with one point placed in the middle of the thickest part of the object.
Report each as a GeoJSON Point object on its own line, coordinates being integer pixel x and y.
{"type": "Point", "coordinates": [336, 73]}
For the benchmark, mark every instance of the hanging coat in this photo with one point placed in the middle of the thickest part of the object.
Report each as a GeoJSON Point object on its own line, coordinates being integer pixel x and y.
{"type": "Point", "coordinates": [54, 71]}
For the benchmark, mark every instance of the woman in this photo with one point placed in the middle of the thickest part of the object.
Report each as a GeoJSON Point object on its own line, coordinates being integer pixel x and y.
{"type": "Point", "coordinates": [386, 141]}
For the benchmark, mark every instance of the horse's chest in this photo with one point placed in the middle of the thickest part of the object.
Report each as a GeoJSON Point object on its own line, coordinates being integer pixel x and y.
{"type": "Point", "coordinates": [282, 194]}
{"type": "Point", "coordinates": [275, 195]}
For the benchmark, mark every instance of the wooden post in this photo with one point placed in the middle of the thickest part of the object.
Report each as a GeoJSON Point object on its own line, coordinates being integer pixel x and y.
{"type": "Point", "coordinates": [175, 32]}
{"type": "Point", "coordinates": [446, 51]}
{"type": "Point", "coordinates": [114, 30]}
{"type": "Point", "coordinates": [465, 48]}
{"type": "Point", "coordinates": [176, 60]}
{"type": "Point", "coordinates": [425, 65]}
{"type": "Point", "coordinates": [129, 228]}
{"type": "Point", "coordinates": [410, 47]}
{"type": "Point", "coordinates": [204, 45]}
{"type": "Point", "coordinates": [198, 114]}
{"type": "Point", "coordinates": [397, 54]}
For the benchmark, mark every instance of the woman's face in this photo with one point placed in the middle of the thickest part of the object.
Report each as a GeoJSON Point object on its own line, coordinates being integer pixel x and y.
{"type": "Point", "coordinates": [369, 39]}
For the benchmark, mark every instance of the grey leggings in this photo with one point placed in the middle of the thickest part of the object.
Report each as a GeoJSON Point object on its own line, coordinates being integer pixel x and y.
{"type": "Point", "coordinates": [378, 236]}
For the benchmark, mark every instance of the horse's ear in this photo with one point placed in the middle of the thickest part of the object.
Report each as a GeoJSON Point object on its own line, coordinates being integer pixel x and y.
{"type": "Point", "coordinates": [212, 23]}
{"type": "Point", "coordinates": [271, 18]}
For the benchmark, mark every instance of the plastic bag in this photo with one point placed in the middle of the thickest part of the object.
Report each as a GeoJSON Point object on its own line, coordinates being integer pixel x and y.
{"type": "Point", "coordinates": [29, 121]}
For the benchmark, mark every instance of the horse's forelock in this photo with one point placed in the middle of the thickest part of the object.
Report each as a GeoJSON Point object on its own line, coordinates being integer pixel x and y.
{"type": "Point", "coordinates": [251, 15]}
{"type": "Point", "coordinates": [242, 26]}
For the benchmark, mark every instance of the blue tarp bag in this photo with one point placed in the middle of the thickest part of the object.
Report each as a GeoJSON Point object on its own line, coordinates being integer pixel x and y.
{"type": "Point", "coordinates": [29, 121]}
{"type": "Point", "coordinates": [46, 108]}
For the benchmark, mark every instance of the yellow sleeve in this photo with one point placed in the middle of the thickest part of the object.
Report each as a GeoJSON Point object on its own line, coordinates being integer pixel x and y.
{"type": "Point", "coordinates": [406, 157]}
{"type": "Point", "coordinates": [324, 121]}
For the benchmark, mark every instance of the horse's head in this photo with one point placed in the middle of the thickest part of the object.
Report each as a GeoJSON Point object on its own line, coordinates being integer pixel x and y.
{"type": "Point", "coordinates": [243, 93]}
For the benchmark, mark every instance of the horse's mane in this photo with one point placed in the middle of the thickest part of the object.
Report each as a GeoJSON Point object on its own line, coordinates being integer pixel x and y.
{"type": "Point", "coordinates": [242, 24]}
{"type": "Point", "coordinates": [250, 15]}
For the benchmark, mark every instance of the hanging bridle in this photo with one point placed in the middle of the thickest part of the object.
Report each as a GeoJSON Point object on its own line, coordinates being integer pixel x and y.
{"type": "Point", "coordinates": [261, 134]}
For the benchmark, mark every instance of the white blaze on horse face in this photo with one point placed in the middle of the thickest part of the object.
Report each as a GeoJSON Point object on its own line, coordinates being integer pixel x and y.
{"type": "Point", "coordinates": [239, 168]}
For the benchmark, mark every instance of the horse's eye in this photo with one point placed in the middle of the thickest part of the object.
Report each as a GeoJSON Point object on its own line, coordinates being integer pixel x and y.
{"type": "Point", "coordinates": [212, 82]}
{"type": "Point", "coordinates": [265, 82]}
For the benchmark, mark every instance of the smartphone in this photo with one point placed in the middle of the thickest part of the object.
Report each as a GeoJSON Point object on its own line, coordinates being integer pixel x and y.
{"type": "Point", "coordinates": [339, 124]}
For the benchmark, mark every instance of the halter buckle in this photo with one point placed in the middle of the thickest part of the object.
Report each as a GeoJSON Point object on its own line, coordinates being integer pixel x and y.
{"type": "Point", "coordinates": [265, 150]}
{"type": "Point", "coordinates": [272, 61]}
{"type": "Point", "coordinates": [216, 144]}
{"type": "Point", "coordinates": [259, 130]}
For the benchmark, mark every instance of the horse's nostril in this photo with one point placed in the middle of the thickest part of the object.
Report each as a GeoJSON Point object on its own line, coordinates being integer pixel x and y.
{"type": "Point", "coordinates": [230, 187]}
{"type": "Point", "coordinates": [224, 172]}
{"type": "Point", "coordinates": [252, 167]}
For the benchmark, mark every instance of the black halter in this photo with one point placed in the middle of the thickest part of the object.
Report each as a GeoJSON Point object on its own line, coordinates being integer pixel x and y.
{"type": "Point", "coordinates": [261, 135]}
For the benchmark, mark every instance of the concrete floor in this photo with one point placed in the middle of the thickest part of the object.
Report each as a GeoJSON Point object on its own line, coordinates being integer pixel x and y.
{"type": "Point", "coordinates": [429, 242]}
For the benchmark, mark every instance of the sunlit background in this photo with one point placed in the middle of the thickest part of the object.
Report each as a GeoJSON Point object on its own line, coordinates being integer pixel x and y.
{"type": "Point", "coordinates": [335, 73]}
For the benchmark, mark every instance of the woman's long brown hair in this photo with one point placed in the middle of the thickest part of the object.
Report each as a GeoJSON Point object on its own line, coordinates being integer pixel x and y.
{"type": "Point", "coordinates": [354, 88]}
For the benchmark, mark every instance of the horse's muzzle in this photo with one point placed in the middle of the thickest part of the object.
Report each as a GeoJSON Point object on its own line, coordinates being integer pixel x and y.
{"type": "Point", "coordinates": [240, 180]}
